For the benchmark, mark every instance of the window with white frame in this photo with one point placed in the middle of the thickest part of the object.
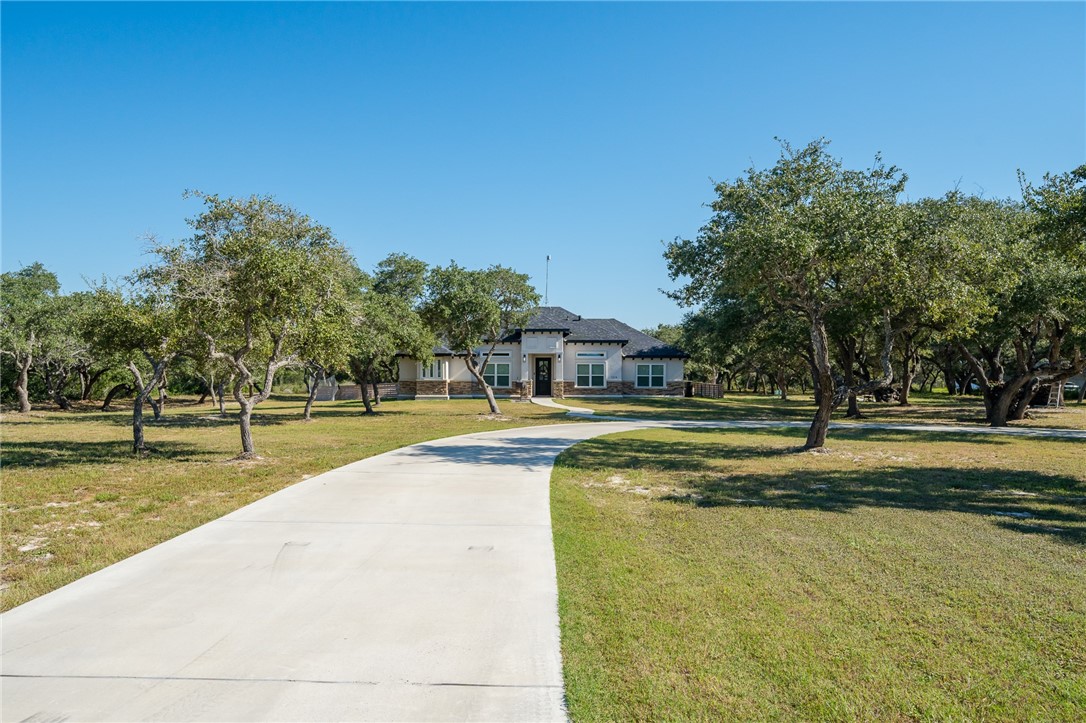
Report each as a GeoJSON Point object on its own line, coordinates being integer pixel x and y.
{"type": "Point", "coordinates": [590, 375]}
{"type": "Point", "coordinates": [497, 374]}
{"type": "Point", "coordinates": [433, 370]}
{"type": "Point", "coordinates": [650, 375]}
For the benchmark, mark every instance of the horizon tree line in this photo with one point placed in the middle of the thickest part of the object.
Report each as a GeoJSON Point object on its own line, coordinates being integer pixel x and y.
{"type": "Point", "coordinates": [256, 289]}
{"type": "Point", "coordinates": [807, 271]}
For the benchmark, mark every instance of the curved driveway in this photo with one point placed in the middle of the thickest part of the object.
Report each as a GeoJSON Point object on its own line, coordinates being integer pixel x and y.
{"type": "Point", "coordinates": [415, 585]}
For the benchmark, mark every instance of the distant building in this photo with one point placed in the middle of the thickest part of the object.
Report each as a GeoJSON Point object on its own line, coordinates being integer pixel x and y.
{"type": "Point", "coordinates": [557, 353]}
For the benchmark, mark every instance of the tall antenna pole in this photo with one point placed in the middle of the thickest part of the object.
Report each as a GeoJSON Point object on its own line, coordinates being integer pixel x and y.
{"type": "Point", "coordinates": [547, 284]}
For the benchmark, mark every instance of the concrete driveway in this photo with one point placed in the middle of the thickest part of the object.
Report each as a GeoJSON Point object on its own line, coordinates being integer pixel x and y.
{"type": "Point", "coordinates": [416, 585]}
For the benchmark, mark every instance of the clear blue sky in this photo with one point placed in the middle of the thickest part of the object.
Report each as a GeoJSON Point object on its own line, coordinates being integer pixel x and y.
{"type": "Point", "coordinates": [499, 133]}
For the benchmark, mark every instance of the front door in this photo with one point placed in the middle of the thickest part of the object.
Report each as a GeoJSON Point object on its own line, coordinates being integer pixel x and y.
{"type": "Point", "coordinates": [543, 376]}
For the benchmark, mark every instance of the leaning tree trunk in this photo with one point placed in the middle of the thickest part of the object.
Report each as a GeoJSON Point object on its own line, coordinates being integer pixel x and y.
{"type": "Point", "coordinates": [92, 381]}
{"type": "Point", "coordinates": [138, 444]}
{"type": "Point", "coordinates": [848, 353]}
{"type": "Point", "coordinates": [22, 383]}
{"type": "Point", "coordinates": [245, 415]}
{"type": "Point", "coordinates": [114, 391]}
{"type": "Point", "coordinates": [906, 386]}
{"type": "Point", "coordinates": [950, 380]}
{"type": "Point", "coordinates": [155, 408]}
{"type": "Point", "coordinates": [361, 372]}
{"type": "Point", "coordinates": [782, 384]}
{"type": "Point", "coordinates": [1020, 406]}
{"type": "Point", "coordinates": [143, 393]}
{"type": "Point", "coordinates": [364, 381]}
{"type": "Point", "coordinates": [475, 372]}
{"type": "Point", "coordinates": [312, 388]}
{"type": "Point", "coordinates": [824, 385]}
{"type": "Point", "coordinates": [965, 383]}
{"type": "Point", "coordinates": [245, 422]}
{"type": "Point", "coordinates": [55, 384]}
{"type": "Point", "coordinates": [1005, 399]}
{"type": "Point", "coordinates": [908, 371]}
{"type": "Point", "coordinates": [247, 403]}
{"type": "Point", "coordinates": [815, 387]}
{"type": "Point", "coordinates": [376, 391]}
{"type": "Point", "coordinates": [222, 395]}
{"type": "Point", "coordinates": [207, 391]}
{"type": "Point", "coordinates": [163, 395]}
{"type": "Point", "coordinates": [84, 384]}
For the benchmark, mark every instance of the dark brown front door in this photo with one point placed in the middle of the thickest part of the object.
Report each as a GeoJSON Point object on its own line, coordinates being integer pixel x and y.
{"type": "Point", "coordinates": [543, 376]}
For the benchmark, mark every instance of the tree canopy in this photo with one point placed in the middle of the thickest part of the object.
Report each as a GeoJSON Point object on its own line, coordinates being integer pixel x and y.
{"type": "Point", "coordinates": [470, 309]}
{"type": "Point", "coordinates": [252, 282]}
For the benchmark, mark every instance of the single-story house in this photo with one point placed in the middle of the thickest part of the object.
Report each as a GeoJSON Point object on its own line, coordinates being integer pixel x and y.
{"type": "Point", "coordinates": [557, 353]}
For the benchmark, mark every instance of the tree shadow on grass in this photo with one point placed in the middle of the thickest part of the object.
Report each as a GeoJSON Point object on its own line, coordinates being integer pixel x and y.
{"type": "Point", "coordinates": [1029, 502]}
{"type": "Point", "coordinates": [61, 453]}
{"type": "Point", "coordinates": [670, 455]}
{"type": "Point", "coordinates": [1024, 501]}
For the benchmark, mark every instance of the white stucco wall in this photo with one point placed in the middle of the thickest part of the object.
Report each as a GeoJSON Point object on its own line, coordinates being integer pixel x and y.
{"type": "Point", "coordinates": [456, 369]}
{"type": "Point", "coordinates": [613, 360]}
{"type": "Point", "coordinates": [673, 369]}
{"type": "Point", "coordinates": [409, 369]}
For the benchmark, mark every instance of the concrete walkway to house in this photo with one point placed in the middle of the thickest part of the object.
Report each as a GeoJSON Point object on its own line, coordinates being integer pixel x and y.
{"type": "Point", "coordinates": [415, 585]}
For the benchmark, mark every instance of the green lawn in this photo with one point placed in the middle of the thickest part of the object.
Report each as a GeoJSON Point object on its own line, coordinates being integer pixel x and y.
{"type": "Point", "coordinates": [76, 500]}
{"type": "Point", "coordinates": [925, 409]}
{"type": "Point", "coordinates": [721, 575]}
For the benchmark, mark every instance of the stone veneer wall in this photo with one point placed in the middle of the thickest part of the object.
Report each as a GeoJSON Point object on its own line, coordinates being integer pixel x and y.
{"type": "Point", "coordinates": [463, 389]}
{"type": "Point", "coordinates": [522, 389]}
{"type": "Point", "coordinates": [475, 389]}
{"type": "Point", "coordinates": [432, 387]}
{"type": "Point", "coordinates": [408, 389]}
{"type": "Point", "coordinates": [570, 389]}
{"type": "Point", "coordinates": [673, 389]}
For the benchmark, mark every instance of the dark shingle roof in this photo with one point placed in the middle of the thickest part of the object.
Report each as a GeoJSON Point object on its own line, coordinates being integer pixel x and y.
{"type": "Point", "coordinates": [578, 329]}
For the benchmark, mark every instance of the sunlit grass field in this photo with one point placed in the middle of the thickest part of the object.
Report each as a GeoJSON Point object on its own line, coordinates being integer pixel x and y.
{"type": "Point", "coordinates": [722, 575]}
{"type": "Point", "coordinates": [74, 499]}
